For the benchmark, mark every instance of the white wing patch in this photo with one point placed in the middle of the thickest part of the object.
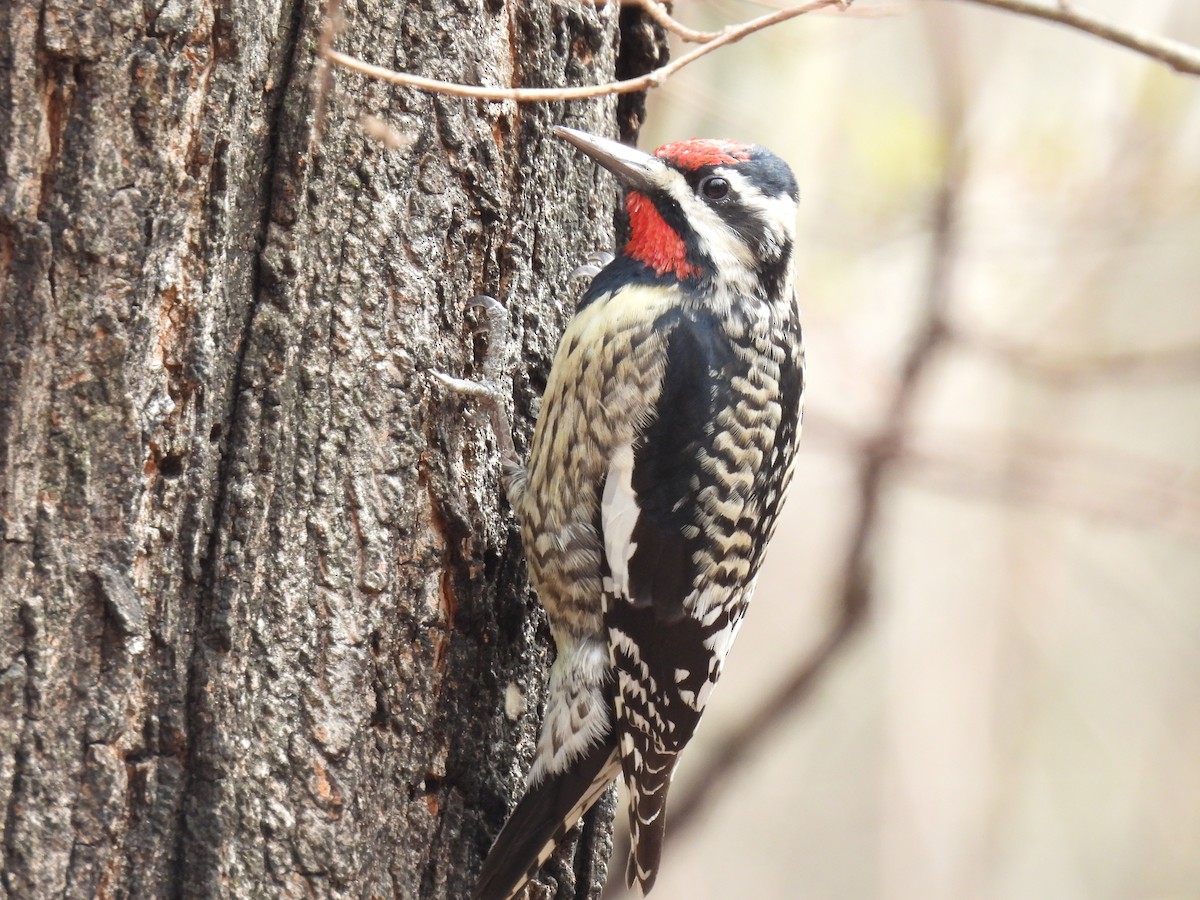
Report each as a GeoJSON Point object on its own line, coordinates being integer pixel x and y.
{"type": "Point", "coordinates": [619, 513]}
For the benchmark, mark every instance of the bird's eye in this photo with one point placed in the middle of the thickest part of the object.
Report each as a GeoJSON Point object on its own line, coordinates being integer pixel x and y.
{"type": "Point", "coordinates": [714, 187]}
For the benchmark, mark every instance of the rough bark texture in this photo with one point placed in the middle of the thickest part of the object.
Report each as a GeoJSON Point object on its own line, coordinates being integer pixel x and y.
{"type": "Point", "coordinates": [261, 601]}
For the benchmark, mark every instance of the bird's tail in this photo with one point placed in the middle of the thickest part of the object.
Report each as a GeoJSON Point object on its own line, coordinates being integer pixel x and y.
{"type": "Point", "coordinates": [549, 809]}
{"type": "Point", "coordinates": [648, 816]}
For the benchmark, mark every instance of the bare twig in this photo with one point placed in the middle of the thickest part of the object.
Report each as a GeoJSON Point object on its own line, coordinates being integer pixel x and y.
{"type": "Point", "coordinates": [876, 10]}
{"type": "Point", "coordinates": [1093, 482]}
{"type": "Point", "coordinates": [658, 12]}
{"type": "Point", "coordinates": [729, 35]}
{"type": "Point", "coordinates": [1077, 479]}
{"type": "Point", "coordinates": [1179, 56]}
{"type": "Point", "coordinates": [1172, 363]}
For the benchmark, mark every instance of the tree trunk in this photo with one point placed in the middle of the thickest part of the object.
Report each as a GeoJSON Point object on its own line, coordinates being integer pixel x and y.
{"type": "Point", "coordinates": [264, 617]}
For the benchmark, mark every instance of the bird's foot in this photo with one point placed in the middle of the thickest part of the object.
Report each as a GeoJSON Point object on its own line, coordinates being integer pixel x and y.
{"type": "Point", "coordinates": [592, 265]}
{"type": "Point", "coordinates": [493, 322]}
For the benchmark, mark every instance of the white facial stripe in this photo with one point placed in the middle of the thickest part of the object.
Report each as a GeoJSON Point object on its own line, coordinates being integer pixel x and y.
{"type": "Point", "coordinates": [730, 256]}
{"type": "Point", "coordinates": [734, 260]}
{"type": "Point", "coordinates": [777, 213]}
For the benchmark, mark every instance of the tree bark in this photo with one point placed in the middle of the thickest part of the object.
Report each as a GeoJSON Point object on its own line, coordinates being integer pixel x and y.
{"type": "Point", "coordinates": [264, 626]}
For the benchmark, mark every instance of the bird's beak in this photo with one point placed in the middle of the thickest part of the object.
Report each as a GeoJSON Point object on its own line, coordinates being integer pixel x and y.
{"type": "Point", "coordinates": [635, 168]}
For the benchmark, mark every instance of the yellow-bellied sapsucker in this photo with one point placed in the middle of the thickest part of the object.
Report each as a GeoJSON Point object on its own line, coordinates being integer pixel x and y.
{"type": "Point", "coordinates": [660, 459]}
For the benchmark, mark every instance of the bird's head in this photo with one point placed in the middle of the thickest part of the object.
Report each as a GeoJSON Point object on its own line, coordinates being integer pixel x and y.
{"type": "Point", "coordinates": [705, 210]}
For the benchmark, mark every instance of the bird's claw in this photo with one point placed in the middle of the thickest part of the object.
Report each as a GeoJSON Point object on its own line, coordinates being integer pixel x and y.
{"type": "Point", "coordinates": [584, 271]}
{"type": "Point", "coordinates": [494, 323]}
{"type": "Point", "coordinates": [591, 266]}
{"type": "Point", "coordinates": [464, 386]}
{"type": "Point", "coordinates": [492, 318]}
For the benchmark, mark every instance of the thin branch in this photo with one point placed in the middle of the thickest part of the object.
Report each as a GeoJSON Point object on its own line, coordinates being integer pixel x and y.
{"type": "Point", "coordinates": [729, 35]}
{"type": "Point", "coordinates": [1084, 481]}
{"type": "Point", "coordinates": [1080, 480]}
{"type": "Point", "coordinates": [1179, 56]}
{"type": "Point", "coordinates": [658, 12]}
{"type": "Point", "coordinates": [877, 10]}
{"type": "Point", "coordinates": [1176, 54]}
{"type": "Point", "coordinates": [1182, 361]}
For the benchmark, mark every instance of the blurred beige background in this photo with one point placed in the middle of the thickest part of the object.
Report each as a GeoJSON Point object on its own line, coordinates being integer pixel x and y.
{"type": "Point", "coordinates": [1019, 714]}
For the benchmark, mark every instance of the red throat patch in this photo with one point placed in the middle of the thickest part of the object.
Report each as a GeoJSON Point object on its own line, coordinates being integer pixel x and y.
{"type": "Point", "coordinates": [699, 152]}
{"type": "Point", "coordinates": [653, 242]}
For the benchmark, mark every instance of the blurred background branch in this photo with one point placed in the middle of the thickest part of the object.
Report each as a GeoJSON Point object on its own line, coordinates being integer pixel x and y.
{"type": "Point", "coordinates": [1163, 363]}
{"type": "Point", "coordinates": [1179, 56]}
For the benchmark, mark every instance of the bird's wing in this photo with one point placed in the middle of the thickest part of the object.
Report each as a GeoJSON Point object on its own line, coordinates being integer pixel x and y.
{"type": "Point", "coordinates": [670, 614]}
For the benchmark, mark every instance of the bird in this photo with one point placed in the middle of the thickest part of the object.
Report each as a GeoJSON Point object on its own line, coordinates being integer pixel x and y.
{"type": "Point", "coordinates": [661, 456]}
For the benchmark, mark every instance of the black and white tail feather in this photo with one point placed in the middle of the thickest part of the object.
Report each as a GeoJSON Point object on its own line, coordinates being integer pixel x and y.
{"type": "Point", "coordinates": [545, 815]}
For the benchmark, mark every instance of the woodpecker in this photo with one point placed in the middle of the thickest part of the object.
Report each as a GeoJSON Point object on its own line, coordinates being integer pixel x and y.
{"type": "Point", "coordinates": [661, 456]}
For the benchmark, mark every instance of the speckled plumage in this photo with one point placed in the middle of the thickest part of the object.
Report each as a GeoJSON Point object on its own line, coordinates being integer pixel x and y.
{"type": "Point", "coordinates": [658, 465]}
